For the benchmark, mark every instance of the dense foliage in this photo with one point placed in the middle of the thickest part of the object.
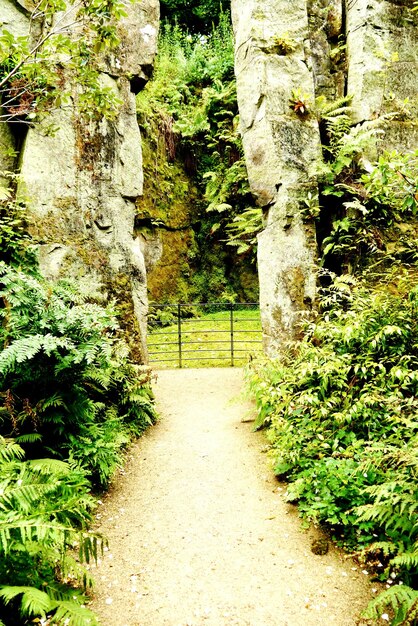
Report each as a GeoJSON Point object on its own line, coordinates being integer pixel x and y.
{"type": "Point", "coordinates": [341, 406]}
{"type": "Point", "coordinates": [70, 398]}
{"type": "Point", "coordinates": [192, 103]}
{"type": "Point", "coordinates": [32, 75]}
{"type": "Point", "coordinates": [341, 412]}
{"type": "Point", "coordinates": [367, 209]}
{"type": "Point", "coordinates": [45, 507]}
{"type": "Point", "coordinates": [68, 392]}
{"type": "Point", "coordinates": [195, 15]}
{"type": "Point", "coordinates": [64, 374]}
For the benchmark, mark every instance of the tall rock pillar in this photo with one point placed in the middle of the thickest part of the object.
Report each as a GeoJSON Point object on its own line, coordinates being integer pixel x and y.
{"type": "Point", "coordinates": [282, 149]}
{"type": "Point", "coordinates": [296, 50]}
{"type": "Point", "coordinates": [81, 182]}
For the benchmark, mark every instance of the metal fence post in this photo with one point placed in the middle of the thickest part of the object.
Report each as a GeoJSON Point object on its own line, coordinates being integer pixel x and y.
{"type": "Point", "coordinates": [179, 333]}
{"type": "Point", "coordinates": [232, 332]}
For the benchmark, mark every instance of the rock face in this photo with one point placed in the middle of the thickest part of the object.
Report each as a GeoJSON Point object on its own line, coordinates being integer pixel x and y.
{"type": "Point", "coordinates": [14, 18]}
{"type": "Point", "coordinates": [81, 182]}
{"type": "Point", "coordinates": [184, 262]}
{"type": "Point", "coordinates": [287, 53]}
{"type": "Point", "coordinates": [282, 148]}
{"type": "Point", "coordinates": [382, 71]}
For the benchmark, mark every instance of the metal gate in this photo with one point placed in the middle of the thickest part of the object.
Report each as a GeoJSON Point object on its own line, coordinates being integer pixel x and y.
{"type": "Point", "coordinates": [212, 334]}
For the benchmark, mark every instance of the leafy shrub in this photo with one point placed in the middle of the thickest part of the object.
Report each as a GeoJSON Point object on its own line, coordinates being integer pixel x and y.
{"type": "Point", "coordinates": [31, 89]}
{"type": "Point", "coordinates": [194, 88]}
{"type": "Point", "coordinates": [66, 387]}
{"type": "Point", "coordinates": [15, 244]}
{"type": "Point", "coordinates": [67, 390]}
{"type": "Point", "coordinates": [64, 374]}
{"type": "Point", "coordinates": [341, 410]}
{"type": "Point", "coordinates": [45, 507]}
{"type": "Point", "coordinates": [362, 200]}
{"type": "Point", "coordinates": [401, 600]}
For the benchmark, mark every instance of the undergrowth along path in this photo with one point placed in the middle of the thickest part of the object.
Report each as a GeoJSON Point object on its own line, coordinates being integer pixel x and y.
{"type": "Point", "coordinates": [199, 532]}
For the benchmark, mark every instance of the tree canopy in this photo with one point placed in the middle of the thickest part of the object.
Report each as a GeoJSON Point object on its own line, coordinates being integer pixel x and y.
{"type": "Point", "coordinates": [60, 48]}
{"type": "Point", "coordinates": [196, 15]}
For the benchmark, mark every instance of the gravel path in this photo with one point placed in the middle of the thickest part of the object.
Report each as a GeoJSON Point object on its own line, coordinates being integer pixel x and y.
{"type": "Point", "coordinates": [199, 533]}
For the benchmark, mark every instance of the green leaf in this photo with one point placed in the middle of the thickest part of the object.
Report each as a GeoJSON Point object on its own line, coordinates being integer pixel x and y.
{"type": "Point", "coordinates": [33, 601]}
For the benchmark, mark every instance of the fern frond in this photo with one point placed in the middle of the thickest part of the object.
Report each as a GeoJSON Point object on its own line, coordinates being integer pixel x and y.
{"type": "Point", "coordinates": [400, 599]}
{"type": "Point", "coordinates": [342, 111]}
{"type": "Point", "coordinates": [49, 466]}
{"type": "Point", "coordinates": [55, 400]}
{"type": "Point", "coordinates": [70, 568]}
{"type": "Point", "coordinates": [29, 438]}
{"type": "Point", "coordinates": [25, 349]}
{"type": "Point", "coordinates": [394, 507]}
{"type": "Point", "coordinates": [327, 108]}
{"type": "Point", "coordinates": [10, 450]}
{"type": "Point", "coordinates": [101, 377]}
{"type": "Point", "coordinates": [73, 614]}
{"type": "Point", "coordinates": [33, 602]}
{"type": "Point", "coordinates": [387, 548]}
{"type": "Point", "coordinates": [37, 529]}
{"type": "Point", "coordinates": [30, 530]}
{"type": "Point", "coordinates": [23, 496]}
{"type": "Point", "coordinates": [408, 560]}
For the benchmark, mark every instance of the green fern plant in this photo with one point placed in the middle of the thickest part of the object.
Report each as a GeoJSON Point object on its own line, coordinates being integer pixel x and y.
{"type": "Point", "coordinates": [194, 84]}
{"type": "Point", "coordinates": [64, 374]}
{"type": "Point", "coordinates": [37, 603]}
{"type": "Point", "coordinates": [372, 195]}
{"type": "Point", "coordinates": [341, 415]}
{"type": "Point", "coordinates": [15, 244]}
{"type": "Point", "coordinates": [243, 230]}
{"type": "Point", "coordinates": [334, 120]}
{"type": "Point", "coordinates": [400, 600]}
{"type": "Point", "coordinates": [45, 507]}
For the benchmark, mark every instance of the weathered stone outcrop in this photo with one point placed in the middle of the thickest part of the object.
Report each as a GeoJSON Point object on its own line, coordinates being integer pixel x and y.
{"type": "Point", "coordinates": [166, 214]}
{"type": "Point", "coordinates": [82, 181]}
{"type": "Point", "coordinates": [382, 65]}
{"type": "Point", "coordinates": [289, 51]}
{"type": "Point", "coordinates": [282, 149]}
{"type": "Point", "coordinates": [14, 18]}
{"type": "Point", "coordinates": [326, 20]}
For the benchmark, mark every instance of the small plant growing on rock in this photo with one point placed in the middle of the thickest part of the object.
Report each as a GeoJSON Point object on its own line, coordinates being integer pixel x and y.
{"type": "Point", "coordinates": [310, 208]}
{"type": "Point", "coordinates": [300, 103]}
{"type": "Point", "coordinates": [285, 44]}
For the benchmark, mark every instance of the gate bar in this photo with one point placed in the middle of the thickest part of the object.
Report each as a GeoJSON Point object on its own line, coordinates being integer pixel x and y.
{"type": "Point", "coordinates": [231, 306]}
{"type": "Point", "coordinates": [179, 332]}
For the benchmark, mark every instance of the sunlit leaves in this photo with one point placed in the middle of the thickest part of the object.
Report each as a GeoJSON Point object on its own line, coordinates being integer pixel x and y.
{"type": "Point", "coordinates": [37, 74]}
{"type": "Point", "coordinates": [342, 415]}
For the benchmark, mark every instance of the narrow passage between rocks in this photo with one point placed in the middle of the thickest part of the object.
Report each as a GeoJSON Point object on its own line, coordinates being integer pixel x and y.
{"type": "Point", "coordinates": [198, 529]}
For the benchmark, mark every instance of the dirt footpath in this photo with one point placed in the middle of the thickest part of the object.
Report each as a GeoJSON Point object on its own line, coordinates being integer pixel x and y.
{"type": "Point", "coordinates": [199, 533]}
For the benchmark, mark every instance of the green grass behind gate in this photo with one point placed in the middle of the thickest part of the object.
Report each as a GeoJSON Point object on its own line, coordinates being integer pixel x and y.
{"type": "Point", "coordinates": [206, 340]}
